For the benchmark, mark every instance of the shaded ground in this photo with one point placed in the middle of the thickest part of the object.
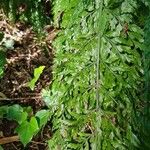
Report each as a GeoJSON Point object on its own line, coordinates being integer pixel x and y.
{"type": "Point", "coordinates": [29, 52]}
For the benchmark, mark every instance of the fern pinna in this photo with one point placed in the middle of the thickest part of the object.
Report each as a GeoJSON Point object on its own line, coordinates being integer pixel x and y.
{"type": "Point", "coordinates": [113, 69]}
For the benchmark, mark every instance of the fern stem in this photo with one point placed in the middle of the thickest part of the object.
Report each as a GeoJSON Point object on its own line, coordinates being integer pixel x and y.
{"type": "Point", "coordinates": [98, 59]}
{"type": "Point", "coordinates": [98, 98]}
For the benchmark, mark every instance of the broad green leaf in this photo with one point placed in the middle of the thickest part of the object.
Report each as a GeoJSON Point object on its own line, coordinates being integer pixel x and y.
{"type": "Point", "coordinates": [42, 117]}
{"type": "Point", "coordinates": [15, 112]}
{"type": "Point", "coordinates": [27, 130]}
{"type": "Point", "coordinates": [37, 72]}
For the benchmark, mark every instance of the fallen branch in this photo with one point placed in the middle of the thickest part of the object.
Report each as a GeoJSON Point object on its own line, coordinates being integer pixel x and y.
{"type": "Point", "coordinates": [7, 140]}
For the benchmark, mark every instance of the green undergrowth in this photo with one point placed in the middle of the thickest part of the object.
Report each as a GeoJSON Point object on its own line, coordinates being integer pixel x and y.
{"type": "Point", "coordinates": [29, 124]}
{"type": "Point", "coordinates": [98, 74]}
{"type": "Point", "coordinates": [34, 12]}
{"type": "Point", "coordinates": [96, 98]}
{"type": "Point", "coordinates": [2, 56]}
{"type": "Point", "coordinates": [144, 117]}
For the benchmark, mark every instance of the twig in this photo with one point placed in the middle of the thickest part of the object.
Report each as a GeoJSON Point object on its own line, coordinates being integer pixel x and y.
{"type": "Point", "coordinates": [11, 139]}
{"type": "Point", "coordinates": [38, 143]}
{"type": "Point", "coordinates": [15, 146]}
{"type": "Point", "coordinates": [20, 98]}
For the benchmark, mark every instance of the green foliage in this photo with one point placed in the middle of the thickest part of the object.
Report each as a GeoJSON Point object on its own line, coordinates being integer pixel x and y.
{"type": "Point", "coordinates": [16, 112]}
{"type": "Point", "coordinates": [98, 75]}
{"type": "Point", "coordinates": [37, 72]}
{"type": "Point", "coordinates": [42, 117]}
{"type": "Point", "coordinates": [78, 123]}
{"type": "Point", "coordinates": [2, 62]}
{"type": "Point", "coordinates": [144, 117]}
{"type": "Point", "coordinates": [29, 11]}
{"type": "Point", "coordinates": [46, 97]}
{"type": "Point", "coordinates": [2, 56]}
{"type": "Point", "coordinates": [27, 129]}
{"type": "Point", "coordinates": [28, 124]}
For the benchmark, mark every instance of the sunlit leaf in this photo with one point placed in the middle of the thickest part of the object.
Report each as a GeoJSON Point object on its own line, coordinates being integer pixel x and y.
{"type": "Point", "coordinates": [37, 72]}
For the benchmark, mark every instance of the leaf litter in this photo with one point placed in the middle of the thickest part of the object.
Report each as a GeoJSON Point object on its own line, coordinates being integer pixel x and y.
{"type": "Point", "coordinates": [27, 53]}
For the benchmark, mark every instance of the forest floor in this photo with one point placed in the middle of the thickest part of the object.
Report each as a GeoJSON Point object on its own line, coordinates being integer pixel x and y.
{"type": "Point", "coordinates": [28, 53]}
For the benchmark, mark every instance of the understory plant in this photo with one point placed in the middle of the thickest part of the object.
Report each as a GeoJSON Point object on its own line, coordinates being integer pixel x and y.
{"type": "Point", "coordinates": [144, 117]}
{"type": "Point", "coordinates": [96, 98]}
{"type": "Point", "coordinates": [96, 92]}
{"type": "Point", "coordinates": [36, 13]}
{"type": "Point", "coordinates": [28, 124]}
